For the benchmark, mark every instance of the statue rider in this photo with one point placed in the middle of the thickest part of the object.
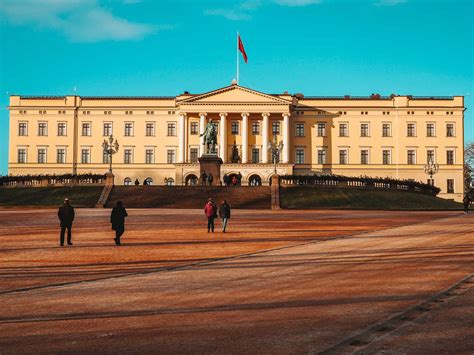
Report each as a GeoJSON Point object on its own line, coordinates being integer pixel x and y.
{"type": "Point", "coordinates": [210, 137]}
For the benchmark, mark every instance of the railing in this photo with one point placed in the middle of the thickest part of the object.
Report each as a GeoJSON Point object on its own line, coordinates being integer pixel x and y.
{"type": "Point", "coordinates": [51, 180]}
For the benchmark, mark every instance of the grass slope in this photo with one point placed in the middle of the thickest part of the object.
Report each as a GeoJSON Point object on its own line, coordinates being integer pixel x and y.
{"type": "Point", "coordinates": [80, 196]}
{"type": "Point", "coordinates": [307, 197]}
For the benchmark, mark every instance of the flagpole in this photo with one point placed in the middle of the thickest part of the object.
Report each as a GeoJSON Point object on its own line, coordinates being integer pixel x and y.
{"type": "Point", "coordinates": [237, 49]}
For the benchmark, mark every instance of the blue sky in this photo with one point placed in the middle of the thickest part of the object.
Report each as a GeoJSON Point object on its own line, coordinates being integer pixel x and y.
{"type": "Point", "coordinates": [164, 47]}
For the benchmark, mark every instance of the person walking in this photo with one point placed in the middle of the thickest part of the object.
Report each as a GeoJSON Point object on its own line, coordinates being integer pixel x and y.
{"type": "Point", "coordinates": [210, 209]}
{"type": "Point", "coordinates": [210, 178]}
{"type": "Point", "coordinates": [466, 201]}
{"type": "Point", "coordinates": [66, 217]}
{"type": "Point", "coordinates": [203, 178]}
{"type": "Point", "coordinates": [225, 179]}
{"type": "Point", "coordinates": [117, 218]}
{"type": "Point", "coordinates": [224, 213]}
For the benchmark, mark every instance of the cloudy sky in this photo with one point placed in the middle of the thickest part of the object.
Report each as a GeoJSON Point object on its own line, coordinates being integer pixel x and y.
{"type": "Point", "coordinates": [164, 47]}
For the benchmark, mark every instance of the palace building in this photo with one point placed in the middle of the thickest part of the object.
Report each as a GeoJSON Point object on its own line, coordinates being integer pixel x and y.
{"type": "Point", "coordinates": [159, 138]}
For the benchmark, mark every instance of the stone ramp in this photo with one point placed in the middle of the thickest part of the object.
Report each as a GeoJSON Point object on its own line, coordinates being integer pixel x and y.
{"type": "Point", "coordinates": [249, 197]}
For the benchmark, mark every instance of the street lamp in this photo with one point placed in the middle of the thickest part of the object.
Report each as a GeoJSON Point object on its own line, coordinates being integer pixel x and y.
{"type": "Point", "coordinates": [110, 148]}
{"type": "Point", "coordinates": [275, 149]}
{"type": "Point", "coordinates": [431, 169]}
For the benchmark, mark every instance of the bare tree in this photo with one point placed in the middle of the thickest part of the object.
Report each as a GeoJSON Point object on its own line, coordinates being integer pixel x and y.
{"type": "Point", "coordinates": [468, 165]}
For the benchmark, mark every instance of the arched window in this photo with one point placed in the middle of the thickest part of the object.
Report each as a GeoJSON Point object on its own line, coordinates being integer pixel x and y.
{"type": "Point", "coordinates": [169, 181]}
{"type": "Point", "coordinates": [148, 181]}
{"type": "Point", "coordinates": [255, 180]}
{"type": "Point", "coordinates": [127, 181]}
{"type": "Point", "coordinates": [191, 180]}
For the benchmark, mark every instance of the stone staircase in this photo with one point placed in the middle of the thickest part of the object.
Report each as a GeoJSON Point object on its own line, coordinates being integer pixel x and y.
{"type": "Point", "coordinates": [251, 197]}
{"type": "Point", "coordinates": [104, 196]}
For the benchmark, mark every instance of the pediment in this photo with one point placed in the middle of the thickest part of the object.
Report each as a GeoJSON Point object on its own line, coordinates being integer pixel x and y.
{"type": "Point", "coordinates": [235, 94]}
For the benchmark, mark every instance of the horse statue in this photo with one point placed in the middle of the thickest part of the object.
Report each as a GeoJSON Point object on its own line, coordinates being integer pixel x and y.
{"type": "Point", "coordinates": [210, 138]}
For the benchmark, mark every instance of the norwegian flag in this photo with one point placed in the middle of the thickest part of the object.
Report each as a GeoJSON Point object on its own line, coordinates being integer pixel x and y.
{"type": "Point", "coordinates": [242, 50]}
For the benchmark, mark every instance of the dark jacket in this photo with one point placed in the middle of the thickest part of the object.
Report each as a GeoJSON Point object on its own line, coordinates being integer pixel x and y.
{"type": "Point", "coordinates": [224, 210]}
{"type": "Point", "coordinates": [66, 214]}
{"type": "Point", "coordinates": [117, 217]}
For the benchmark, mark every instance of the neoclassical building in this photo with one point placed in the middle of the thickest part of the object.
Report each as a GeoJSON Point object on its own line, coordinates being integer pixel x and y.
{"type": "Point", "coordinates": [159, 138]}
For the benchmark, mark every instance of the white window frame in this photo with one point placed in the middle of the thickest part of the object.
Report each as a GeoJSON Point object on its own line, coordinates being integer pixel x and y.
{"type": "Point", "coordinates": [65, 155]}
{"type": "Point", "coordinates": [434, 129]}
{"type": "Point", "coordinates": [45, 155]}
{"type": "Point", "coordinates": [125, 149]}
{"type": "Point", "coordinates": [132, 130]}
{"type": "Point", "coordinates": [65, 128]}
{"type": "Point", "coordinates": [389, 156]}
{"type": "Point", "coordinates": [300, 149]}
{"type": "Point", "coordinates": [18, 148]}
{"type": "Point", "coordinates": [111, 128]}
{"type": "Point", "coordinates": [153, 126]}
{"type": "Point", "coordinates": [339, 156]}
{"type": "Point", "coordinates": [46, 129]}
{"type": "Point", "coordinates": [26, 128]}
{"type": "Point", "coordinates": [89, 130]}
{"type": "Point", "coordinates": [368, 129]}
{"type": "Point", "coordinates": [389, 129]}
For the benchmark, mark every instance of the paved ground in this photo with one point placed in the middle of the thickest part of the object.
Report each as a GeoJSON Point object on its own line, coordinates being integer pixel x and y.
{"type": "Point", "coordinates": [279, 282]}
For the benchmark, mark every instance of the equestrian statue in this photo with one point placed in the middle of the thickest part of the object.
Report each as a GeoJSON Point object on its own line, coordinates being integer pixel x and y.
{"type": "Point", "coordinates": [210, 137]}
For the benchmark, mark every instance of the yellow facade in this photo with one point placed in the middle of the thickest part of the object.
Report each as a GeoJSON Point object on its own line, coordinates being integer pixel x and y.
{"type": "Point", "coordinates": [159, 136]}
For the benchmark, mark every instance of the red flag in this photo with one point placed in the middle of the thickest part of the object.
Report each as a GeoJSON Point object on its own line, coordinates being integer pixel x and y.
{"type": "Point", "coordinates": [242, 50]}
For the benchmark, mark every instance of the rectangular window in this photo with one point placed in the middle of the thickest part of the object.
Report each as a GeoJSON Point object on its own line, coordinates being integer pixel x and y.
{"type": "Point", "coordinates": [299, 156]}
{"type": "Point", "coordinates": [450, 186]}
{"type": "Point", "coordinates": [255, 155]}
{"type": "Point", "coordinates": [86, 129]}
{"type": "Point", "coordinates": [430, 156]}
{"type": "Point", "coordinates": [128, 129]}
{"type": "Point", "coordinates": [411, 158]}
{"type": "Point", "coordinates": [321, 129]}
{"type": "Point", "coordinates": [149, 156]}
{"type": "Point", "coordinates": [107, 129]}
{"type": "Point", "coordinates": [105, 157]}
{"type": "Point", "coordinates": [364, 129]}
{"type": "Point", "coordinates": [150, 129]}
{"type": "Point", "coordinates": [60, 155]}
{"type": "Point", "coordinates": [411, 130]}
{"type": "Point", "coordinates": [386, 159]}
{"type": "Point", "coordinates": [343, 156]}
{"type": "Point", "coordinates": [22, 155]}
{"type": "Point", "coordinates": [430, 129]}
{"type": "Point", "coordinates": [275, 128]}
{"type": "Point", "coordinates": [255, 128]}
{"type": "Point", "coordinates": [234, 128]}
{"type": "Point", "coordinates": [85, 156]}
{"type": "Point", "coordinates": [449, 129]}
{"type": "Point", "coordinates": [386, 130]}
{"type": "Point", "coordinates": [42, 129]}
{"type": "Point", "coordinates": [170, 156]}
{"type": "Point", "coordinates": [62, 129]}
{"type": "Point", "coordinates": [300, 130]}
{"type": "Point", "coordinates": [194, 128]}
{"type": "Point", "coordinates": [22, 129]}
{"type": "Point", "coordinates": [450, 157]}
{"type": "Point", "coordinates": [194, 155]}
{"type": "Point", "coordinates": [364, 156]}
{"type": "Point", "coordinates": [127, 156]}
{"type": "Point", "coordinates": [321, 156]}
{"type": "Point", "coordinates": [171, 129]}
{"type": "Point", "coordinates": [41, 155]}
{"type": "Point", "coordinates": [343, 130]}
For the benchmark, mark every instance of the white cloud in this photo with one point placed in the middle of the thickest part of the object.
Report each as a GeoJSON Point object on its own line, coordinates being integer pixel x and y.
{"type": "Point", "coordinates": [297, 2]}
{"type": "Point", "coordinates": [78, 20]}
{"type": "Point", "coordinates": [230, 14]}
{"type": "Point", "coordinates": [389, 2]}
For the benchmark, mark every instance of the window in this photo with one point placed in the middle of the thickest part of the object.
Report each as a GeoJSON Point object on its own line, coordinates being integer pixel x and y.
{"type": "Point", "coordinates": [86, 129]}
{"type": "Point", "coordinates": [42, 129]}
{"type": "Point", "coordinates": [255, 155]}
{"type": "Point", "coordinates": [85, 156]}
{"type": "Point", "coordinates": [343, 156]}
{"type": "Point", "coordinates": [107, 112]}
{"type": "Point", "coordinates": [321, 156]}
{"type": "Point", "coordinates": [41, 155]}
{"type": "Point", "coordinates": [430, 156]}
{"type": "Point", "coordinates": [171, 129]}
{"type": "Point", "coordinates": [450, 157]}
{"type": "Point", "coordinates": [22, 129]}
{"type": "Point", "coordinates": [234, 128]}
{"type": "Point", "coordinates": [386, 157]}
{"type": "Point", "coordinates": [299, 156]}
{"type": "Point", "coordinates": [343, 131]}
{"type": "Point", "coordinates": [170, 156]}
{"type": "Point", "coordinates": [364, 129]}
{"type": "Point", "coordinates": [255, 128]}
{"type": "Point", "coordinates": [300, 129]}
{"type": "Point", "coordinates": [60, 155]}
{"type": "Point", "coordinates": [194, 128]}
{"type": "Point", "coordinates": [386, 130]}
{"type": "Point", "coordinates": [61, 128]}
{"type": "Point", "coordinates": [127, 181]}
{"type": "Point", "coordinates": [275, 128]}
{"type": "Point", "coordinates": [148, 181]}
{"type": "Point", "coordinates": [411, 130]}
{"type": "Point", "coordinates": [411, 157]}
{"type": "Point", "coordinates": [321, 129]}
{"type": "Point", "coordinates": [127, 156]}
{"type": "Point", "coordinates": [449, 129]}
{"type": "Point", "coordinates": [128, 129]}
{"type": "Point", "coordinates": [430, 129]}
{"type": "Point", "coordinates": [150, 112]}
{"type": "Point", "coordinates": [105, 157]}
{"type": "Point", "coordinates": [450, 186]}
{"type": "Point", "coordinates": [194, 155]}
{"type": "Point", "coordinates": [150, 129]}
{"type": "Point", "coordinates": [149, 156]}
{"type": "Point", "coordinates": [22, 155]}
{"type": "Point", "coordinates": [364, 156]}
{"type": "Point", "coordinates": [107, 129]}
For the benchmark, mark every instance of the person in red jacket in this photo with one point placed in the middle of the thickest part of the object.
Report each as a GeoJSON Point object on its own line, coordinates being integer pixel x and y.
{"type": "Point", "coordinates": [210, 209]}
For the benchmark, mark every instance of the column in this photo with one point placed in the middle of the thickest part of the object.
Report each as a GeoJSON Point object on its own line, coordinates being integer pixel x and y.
{"type": "Point", "coordinates": [286, 137]}
{"type": "Point", "coordinates": [265, 137]}
{"type": "Point", "coordinates": [223, 137]}
{"type": "Point", "coordinates": [181, 137]}
{"type": "Point", "coordinates": [245, 137]}
{"type": "Point", "coordinates": [202, 127]}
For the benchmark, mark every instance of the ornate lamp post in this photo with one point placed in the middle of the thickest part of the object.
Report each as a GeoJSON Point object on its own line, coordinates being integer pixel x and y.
{"type": "Point", "coordinates": [110, 148]}
{"type": "Point", "coordinates": [431, 169]}
{"type": "Point", "coordinates": [275, 149]}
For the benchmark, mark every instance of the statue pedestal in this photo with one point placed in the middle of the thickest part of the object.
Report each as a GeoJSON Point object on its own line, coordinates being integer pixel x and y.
{"type": "Point", "coordinates": [210, 163]}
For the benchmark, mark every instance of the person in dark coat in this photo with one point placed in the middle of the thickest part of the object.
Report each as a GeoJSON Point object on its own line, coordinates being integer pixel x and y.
{"type": "Point", "coordinates": [210, 178]}
{"type": "Point", "coordinates": [203, 178]}
{"type": "Point", "coordinates": [466, 201]}
{"type": "Point", "coordinates": [66, 217]}
{"type": "Point", "coordinates": [225, 179]}
{"type": "Point", "coordinates": [210, 210]}
{"type": "Point", "coordinates": [224, 213]}
{"type": "Point", "coordinates": [239, 179]}
{"type": "Point", "coordinates": [117, 218]}
{"type": "Point", "coordinates": [137, 182]}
